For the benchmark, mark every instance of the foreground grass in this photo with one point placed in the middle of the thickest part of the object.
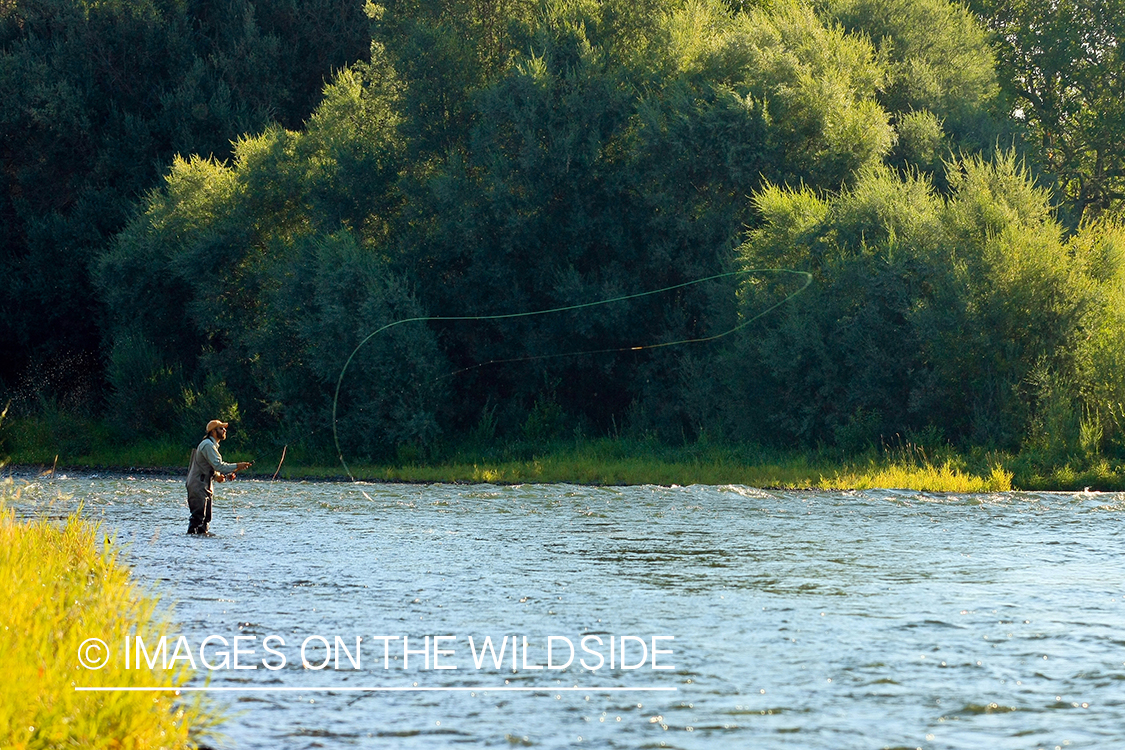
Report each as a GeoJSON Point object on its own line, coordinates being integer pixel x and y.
{"type": "Point", "coordinates": [59, 589]}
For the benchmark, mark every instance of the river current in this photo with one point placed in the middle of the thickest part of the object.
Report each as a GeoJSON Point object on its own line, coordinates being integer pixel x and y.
{"type": "Point", "coordinates": [797, 619]}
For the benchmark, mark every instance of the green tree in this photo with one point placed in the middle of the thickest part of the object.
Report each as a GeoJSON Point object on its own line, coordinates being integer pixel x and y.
{"type": "Point", "coordinates": [1062, 68]}
{"type": "Point", "coordinates": [937, 56]}
{"type": "Point", "coordinates": [257, 279]}
{"type": "Point", "coordinates": [95, 101]}
{"type": "Point", "coordinates": [950, 312]}
{"type": "Point", "coordinates": [588, 173]}
{"type": "Point", "coordinates": [496, 159]}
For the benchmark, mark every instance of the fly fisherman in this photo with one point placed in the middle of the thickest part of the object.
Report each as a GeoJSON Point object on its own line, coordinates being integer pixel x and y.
{"type": "Point", "coordinates": [208, 465]}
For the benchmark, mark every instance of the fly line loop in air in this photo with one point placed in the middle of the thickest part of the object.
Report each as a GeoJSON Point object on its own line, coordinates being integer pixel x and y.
{"type": "Point", "coordinates": [567, 308]}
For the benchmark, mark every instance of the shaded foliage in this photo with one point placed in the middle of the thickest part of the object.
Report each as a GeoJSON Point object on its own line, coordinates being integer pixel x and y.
{"type": "Point", "coordinates": [261, 282]}
{"type": "Point", "coordinates": [97, 98]}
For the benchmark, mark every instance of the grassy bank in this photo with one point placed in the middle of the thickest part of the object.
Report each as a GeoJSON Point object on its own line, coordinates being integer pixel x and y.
{"type": "Point", "coordinates": [59, 588]}
{"type": "Point", "coordinates": [620, 461]}
{"type": "Point", "coordinates": [616, 462]}
{"type": "Point", "coordinates": [899, 464]}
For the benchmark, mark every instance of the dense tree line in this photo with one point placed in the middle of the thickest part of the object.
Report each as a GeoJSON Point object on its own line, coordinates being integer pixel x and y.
{"type": "Point", "coordinates": [513, 156]}
{"type": "Point", "coordinates": [95, 101]}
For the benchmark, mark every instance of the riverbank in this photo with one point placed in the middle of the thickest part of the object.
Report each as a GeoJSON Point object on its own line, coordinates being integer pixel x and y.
{"type": "Point", "coordinates": [628, 462]}
{"type": "Point", "coordinates": [62, 587]}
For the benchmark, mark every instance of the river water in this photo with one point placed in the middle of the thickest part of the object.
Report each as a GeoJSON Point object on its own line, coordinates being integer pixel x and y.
{"type": "Point", "coordinates": [800, 619]}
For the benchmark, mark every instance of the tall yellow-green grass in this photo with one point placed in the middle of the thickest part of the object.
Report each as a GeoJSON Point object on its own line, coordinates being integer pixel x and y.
{"type": "Point", "coordinates": [925, 477]}
{"type": "Point", "coordinates": [58, 587]}
{"type": "Point", "coordinates": [595, 464]}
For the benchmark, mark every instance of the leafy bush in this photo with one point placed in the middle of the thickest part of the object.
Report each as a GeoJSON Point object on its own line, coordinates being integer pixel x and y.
{"type": "Point", "coordinates": [950, 311]}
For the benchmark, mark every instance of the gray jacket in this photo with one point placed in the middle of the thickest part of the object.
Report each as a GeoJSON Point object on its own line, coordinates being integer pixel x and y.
{"type": "Point", "coordinates": [205, 463]}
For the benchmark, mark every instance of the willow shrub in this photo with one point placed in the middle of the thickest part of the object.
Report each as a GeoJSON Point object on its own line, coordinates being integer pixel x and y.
{"type": "Point", "coordinates": [243, 288]}
{"type": "Point", "coordinates": [59, 589]}
{"type": "Point", "coordinates": [1093, 401]}
{"type": "Point", "coordinates": [937, 61]}
{"type": "Point", "coordinates": [970, 314]}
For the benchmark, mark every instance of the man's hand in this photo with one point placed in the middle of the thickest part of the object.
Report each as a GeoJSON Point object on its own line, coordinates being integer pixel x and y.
{"type": "Point", "coordinates": [239, 467]}
{"type": "Point", "coordinates": [222, 477]}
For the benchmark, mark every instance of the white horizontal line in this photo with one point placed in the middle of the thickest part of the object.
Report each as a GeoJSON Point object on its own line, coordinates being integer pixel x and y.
{"type": "Point", "coordinates": [481, 688]}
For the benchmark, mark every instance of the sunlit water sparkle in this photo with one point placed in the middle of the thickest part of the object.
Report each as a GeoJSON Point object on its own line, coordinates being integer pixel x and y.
{"type": "Point", "coordinates": [804, 620]}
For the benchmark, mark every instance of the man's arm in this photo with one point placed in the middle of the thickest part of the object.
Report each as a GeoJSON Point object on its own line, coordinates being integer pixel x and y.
{"type": "Point", "coordinates": [211, 453]}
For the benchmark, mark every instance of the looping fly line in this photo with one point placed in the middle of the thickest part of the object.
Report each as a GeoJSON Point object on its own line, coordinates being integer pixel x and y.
{"type": "Point", "coordinates": [506, 316]}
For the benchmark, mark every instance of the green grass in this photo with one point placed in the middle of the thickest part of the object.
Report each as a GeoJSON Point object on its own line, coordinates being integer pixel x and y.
{"type": "Point", "coordinates": [60, 587]}
{"type": "Point", "coordinates": [946, 477]}
{"type": "Point", "coordinates": [598, 461]}
{"type": "Point", "coordinates": [616, 462]}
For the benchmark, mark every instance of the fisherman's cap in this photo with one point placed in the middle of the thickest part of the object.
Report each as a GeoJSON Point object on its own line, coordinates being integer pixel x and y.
{"type": "Point", "coordinates": [215, 424]}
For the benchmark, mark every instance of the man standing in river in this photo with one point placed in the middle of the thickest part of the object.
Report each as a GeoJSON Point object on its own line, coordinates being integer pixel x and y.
{"type": "Point", "coordinates": [207, 465]}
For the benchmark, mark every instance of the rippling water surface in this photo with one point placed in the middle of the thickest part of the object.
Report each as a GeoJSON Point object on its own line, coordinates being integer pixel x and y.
{"type": "Point", "coordinates": [803, 620]}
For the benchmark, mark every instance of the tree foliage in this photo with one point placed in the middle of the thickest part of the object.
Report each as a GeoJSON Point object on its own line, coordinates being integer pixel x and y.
{"type": "Point", "coordinates": [963, 314]}
{"type": "Point", "coordinates": [513, 157]}
{"type": "Point", "coordinates": [260, 281]}
{"type": "Point", "coordinates": [1062, 66]}
{"type": "Point", "coordinates": [95, 101]}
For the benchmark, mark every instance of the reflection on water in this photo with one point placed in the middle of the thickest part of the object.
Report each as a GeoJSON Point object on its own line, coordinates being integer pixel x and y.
{"type": "Point", "coordinates": [804, 620]}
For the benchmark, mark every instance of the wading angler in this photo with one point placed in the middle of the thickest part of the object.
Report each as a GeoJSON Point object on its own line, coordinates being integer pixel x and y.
{"type": "Point", "coordinates": [207, 466]}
